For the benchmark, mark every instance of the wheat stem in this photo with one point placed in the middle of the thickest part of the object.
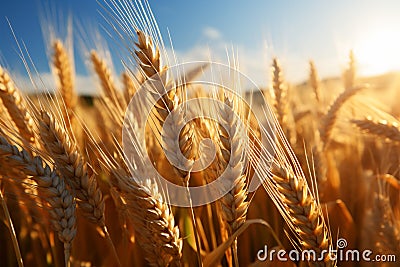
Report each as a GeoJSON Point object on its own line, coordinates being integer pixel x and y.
{"type": "Point", "coordinates": [111, 244]}
{"type": "Point", "coordinates": [12, 231]}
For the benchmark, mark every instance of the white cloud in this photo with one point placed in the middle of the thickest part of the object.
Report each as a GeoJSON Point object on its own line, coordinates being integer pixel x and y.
{"type": "Point", "coordinates": [211, 33]}
{"type": "Point", "coordinates": [44, 82]}
{"type": "Point", "coordinates": [251, 62]}
{"type": "Point", "coordinates": [254, 62]}
{"type": "Point", "coordinates": [86, 85]}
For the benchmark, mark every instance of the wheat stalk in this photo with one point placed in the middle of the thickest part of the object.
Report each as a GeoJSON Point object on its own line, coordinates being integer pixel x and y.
{"type": "Point", "coordinates": [11, 228]}
{"type": "Point", "coordinates": [61, 202]}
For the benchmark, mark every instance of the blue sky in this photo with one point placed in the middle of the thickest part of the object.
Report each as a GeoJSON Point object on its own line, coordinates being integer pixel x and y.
{"type": "Point", "coordinates": [294, 31]}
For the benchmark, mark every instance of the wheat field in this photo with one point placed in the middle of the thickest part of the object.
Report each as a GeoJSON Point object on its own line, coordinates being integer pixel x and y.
{"type": "Point", "coordinates": [73, 193]}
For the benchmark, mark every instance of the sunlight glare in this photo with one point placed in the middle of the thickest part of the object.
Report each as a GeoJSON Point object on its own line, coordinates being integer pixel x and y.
{"type": "Point", "coordinates": [378, 52]}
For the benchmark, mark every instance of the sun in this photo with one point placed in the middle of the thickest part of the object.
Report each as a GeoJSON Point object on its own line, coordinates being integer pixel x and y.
{"type": "Point", "coordinates": [378, 51]}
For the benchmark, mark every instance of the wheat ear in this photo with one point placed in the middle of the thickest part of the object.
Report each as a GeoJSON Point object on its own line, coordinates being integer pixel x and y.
{"type": "Point", "coordinates": [148, 55]}
{"type": "Point", "coordinates": [153, 219]}
{"type": "Point", "coordinates": [73, 168]}
{"type": "Point", "coordinates": [382, 218]}
{"type": "Point", "coordinates": [204, 129]}
{"type": "Point", "coordinates": [61, 202]}
{"type": "Point", "coordinates": [303, 208]}
{"type": "Point", "coordinates": [286, 184]}
{"type": "Point", "coordinates": [17, 107]}
{"type": "Point", "coordinates": [176, 128]}
{"type": "Point", "coordinates": [232, 144]}
{"type": "Point", "coordinates": [383, 128]}
{"type": "Point", "coordinates": [149, 60]}
{"type": "Point", "coordinates": [107, 82]}
{"type": "Point", "coordinates": [64, 70]}
{"type": "Point", "coordinates": [314, 81]}
{"type": "Point", "coordinates": [330, 118]}
{"type": "Point", "coordinates": [129, 87]}
{"type": "Point", "coordinates": [303, 214]}
{"type": "Point", "coordinates": [280, 93]}
{"type": "Point", "coordinates": [349, 75]}
{"type": "Point", "coordinates": [234, 204]}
